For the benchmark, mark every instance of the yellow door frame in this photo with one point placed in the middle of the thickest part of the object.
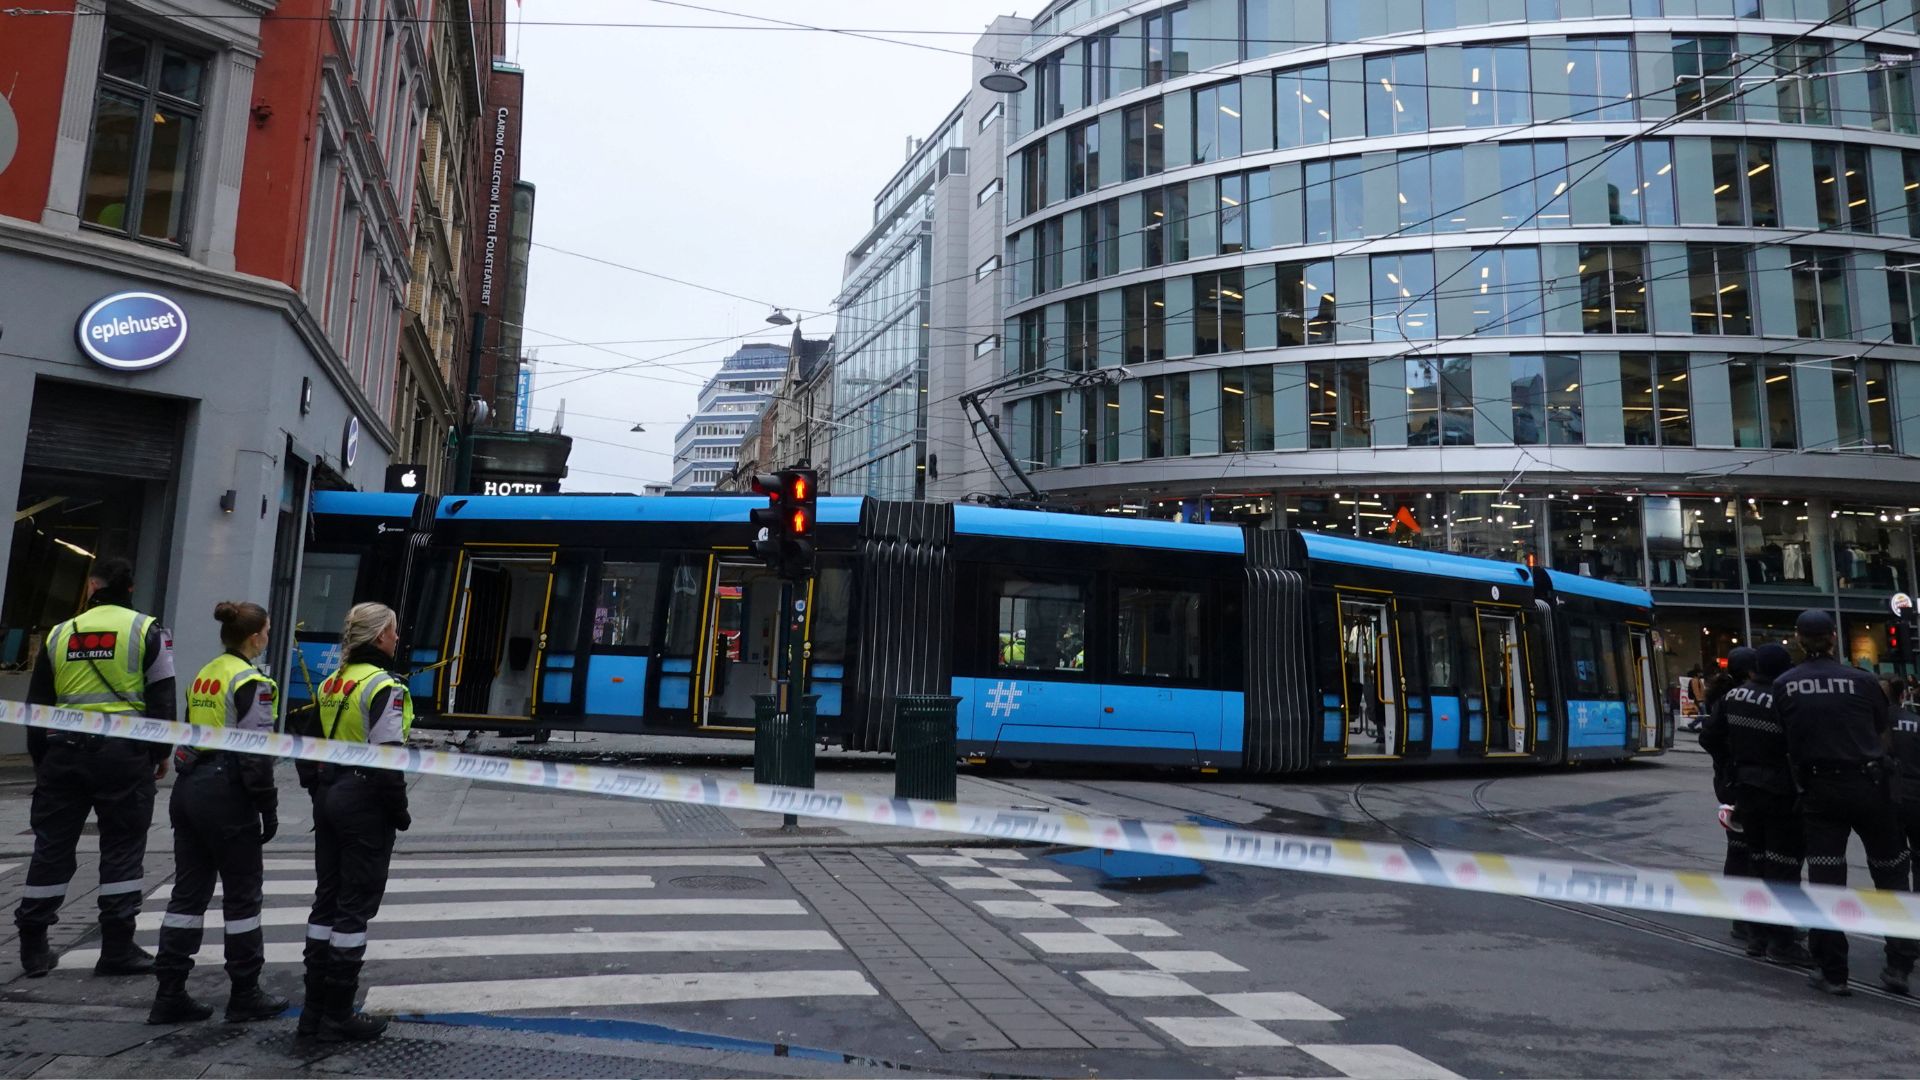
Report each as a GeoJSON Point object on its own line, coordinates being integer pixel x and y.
{"type": "Point", "coordinates": [1517, 614]}
{"type": "Point", "coordinates": [463, 590]}
{"type": "Point", "coordinates": [702, 680]}
{"type": "Point", "coordinates": [1388, 604]}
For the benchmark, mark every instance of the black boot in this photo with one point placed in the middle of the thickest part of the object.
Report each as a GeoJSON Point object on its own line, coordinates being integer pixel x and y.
{"type": "Point", "coordinates": [316, 985]}
{"type": "Point", "coordinates": [118, 953]}
{"type": "Point", "coordinates": [1788, 952]}
{"type": "Point", "coordinates": [249, 1002]}
{"type": "Point", "coordinates": [1837, 988]}
{"type": "Point", "coordinates": [173, 1005]}
{"type": "Point", "coordinates": [340, 1023]}
{"type": "Point", "coordinates": [1896, 981]}
{"type": "Point", "coordinates": [35, 958]}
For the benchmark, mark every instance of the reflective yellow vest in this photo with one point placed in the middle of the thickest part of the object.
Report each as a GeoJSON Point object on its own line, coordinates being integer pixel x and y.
{"type": "Point", "coordinates": [347, 697]}
{"type": "Point", "coordinates": [100, 660]}
{"type": "Point", "coordinates": [210, 698]}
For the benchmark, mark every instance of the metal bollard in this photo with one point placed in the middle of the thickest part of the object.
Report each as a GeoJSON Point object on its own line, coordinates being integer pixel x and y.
{"type": "Point", "coordinates": [925, 765]}
{"type": "Point", "coordinates": [783, 746]}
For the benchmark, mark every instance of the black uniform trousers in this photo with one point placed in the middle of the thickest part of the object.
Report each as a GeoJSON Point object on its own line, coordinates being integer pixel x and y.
{"type": "Point", "coordinates": [353, 847]}
{"type": "Point", "coordinates": [1775, 850]}
{"type": "Point", "coordinates": [1909, 809]}
{"type": "Point", "coordinates": [216, 835]}
{"type": "Point", "coordinates": [1833, 807]}
{"type": "Point", "coordinates": [80, 775]}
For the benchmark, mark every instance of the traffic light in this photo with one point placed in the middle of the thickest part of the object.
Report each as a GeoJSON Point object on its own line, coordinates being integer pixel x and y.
{"type": "Point", "coordinates": [1896, 635]}
{"type": "Point", "coordinates": [783, 529]}
{"type": "Point", "coordinates": [767, 522]}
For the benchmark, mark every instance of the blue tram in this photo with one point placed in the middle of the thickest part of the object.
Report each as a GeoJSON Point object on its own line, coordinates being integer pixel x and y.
{"type": "Point", "coordinates": [1065, 637]}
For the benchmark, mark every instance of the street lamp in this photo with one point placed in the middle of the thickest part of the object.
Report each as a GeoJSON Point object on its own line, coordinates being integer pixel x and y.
{"type": "Point", "coordinates": [779, 318]}
{"type": "Point", "coordinates": [1002, 79]}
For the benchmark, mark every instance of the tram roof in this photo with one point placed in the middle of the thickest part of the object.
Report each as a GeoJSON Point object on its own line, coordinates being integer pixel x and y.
{"type": "Point", "coordinates": [1343, 549]}
{"type": "Point", "coordinates": [972, 520]}
{"type": "Point", "coordinates": [602, 508]}
{"type": "Point", "coordinates": [1578, 585]}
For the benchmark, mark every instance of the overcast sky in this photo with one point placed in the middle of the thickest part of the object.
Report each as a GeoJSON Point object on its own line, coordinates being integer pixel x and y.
{"type": "Point", "coordinates": [745, 160]}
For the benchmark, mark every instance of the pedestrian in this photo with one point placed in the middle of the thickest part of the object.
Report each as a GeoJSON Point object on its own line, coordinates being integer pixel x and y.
{"type": "Point", "coordinates": [108, 659]}
{"type": "Point", "coordinates": [1906, 776]}
{"type": "Point", "coordinates": [1838, 728]}
{"type": "Point", "coordinates": [224, 808]}
{"type": "Point", "coordinates": [1739, 861]}
{"type": "Point", "coordinates": [1744, 724]}
{"type": "Point", "coordinates": [359, 811]}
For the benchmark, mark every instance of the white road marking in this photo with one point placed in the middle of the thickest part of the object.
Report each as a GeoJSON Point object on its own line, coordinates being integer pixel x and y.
{"type": "Point", "coordinates": [1188, 961]}
{"type": "Point", "coordinates": [602, 883]}
{"type": "Point", "coordinates": [1073, 898]}
{"type": "Point", "coordinates": [1216, 1031]}
{"type": "Point", "coordinates": [1008, 854]}
{"type": "Point", "coordinates": [943, 860]}
{"type": "Point", "coordinates": [489, 910]}
{"type": "Point", "coordinates": [645, 941]}
{"type": "Point", "coordinates": [1132, 984]}
{"type": "Point", "coordinates": [1021, 873]}
{"type": "Point", "coordinates": [1380, 1062]}
{"type": "Point", "coordinates": [1120, 927]}
{"type": "Point", "coordinates": [590, 991]}
{"type": "Point", "coordinates": [1273, 1005]}
{"type": "Point", "coordinates": [982, 883]}
{"type": "Point", "coordinates": [1073, 943]}
{"type": "Point", "coordinates": [608, 862]}
{"type": "Point", "coordinates": [5, 867]}
{"type": "Point", "coordinates": [1021, 909]}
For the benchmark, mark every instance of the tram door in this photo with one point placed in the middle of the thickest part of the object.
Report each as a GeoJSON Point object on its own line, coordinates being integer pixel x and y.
{"type": "Point", "coordinates": [501, 634]}
{"type": "Point", "coordinates": [1372, 685]}
{"type": "Point", "coordinates": [742, 646]}
{"type": "Point", "coordinates": [1644, 707]}
{"type": "Point", "coordinates": [1503, 658]}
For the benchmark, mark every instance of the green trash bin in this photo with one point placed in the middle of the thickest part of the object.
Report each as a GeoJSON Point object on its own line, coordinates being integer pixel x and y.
{"type": "Point", "coordinates": [925, 764]}
{"type": "Point", "coordinates": [783, 747]}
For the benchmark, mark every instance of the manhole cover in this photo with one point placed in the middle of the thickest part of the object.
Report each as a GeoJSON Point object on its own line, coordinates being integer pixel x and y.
{"type": "Point", "coordinates": [722, 882]}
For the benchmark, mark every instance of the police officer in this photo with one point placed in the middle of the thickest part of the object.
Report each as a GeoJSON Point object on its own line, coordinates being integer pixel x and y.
{"type": "Point", "coordinates": [359, 811]}
{"type": "Point", "coordinates": [1906, 776]}
{"type": "Point", "coordinates": [224, 807]}
{"type": "Point", "coordinates": [1837, 729]}
{"type": "Point", "coordinates": [1741, 859]}
{"type": "Point", "coordinates": [1744, 729]}
{"type": "Point", "coordinates": [109, 659]}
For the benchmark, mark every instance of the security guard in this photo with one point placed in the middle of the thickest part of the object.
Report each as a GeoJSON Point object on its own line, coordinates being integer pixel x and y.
{"type": "Point", "coordinates": [108, 659]}
{"type": "Point", "coordinates": [359, 811]}
{"type": "Point", "coordinates": [1838, 731]}
{"type": "Point", "coordinates": [1906, 776]}
{"type": "Point", "coordinates": [1743, 727]}
{"type": "Point", "coordinates": [224, 808]}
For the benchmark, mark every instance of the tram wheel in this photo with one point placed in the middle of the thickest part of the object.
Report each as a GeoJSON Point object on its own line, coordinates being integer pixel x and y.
{"type": "Point", "coordinates": [541, 735]}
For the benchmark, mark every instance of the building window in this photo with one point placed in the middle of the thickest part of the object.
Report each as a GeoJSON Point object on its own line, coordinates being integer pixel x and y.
{"type": "Point", "coordinates": [1049, 424]}
{"type": "Point", "coordinates": [1440, 402]}
{"type": "Point", "coordinates": [1413, 177]}
{"type": "Point", "coordinates": [1048, 256]}
{"type": "Point", "coordinates": [1100, 240]}
{"type": "Point", "coordinates": [1744, 192]}
{"type": "Point", "coordinates": [1863, 416]}
{"type": "Point", "coordinates": [146, 131]}
{"type": "Point", "coordinates": [1246, 211]}
{"type": "Point", "coordinates": [1300, 108]}
{"type": "Point", "coordinates": [1599, 79]}
{"type": "Point", "coordinates": [1145, 310]}
{"type": "Point", "coordinates": [1901, 296]}
{"type": "Point", "coordinates": [1498, 89]}
{"type": "Point", "coordinates": [1166, 45]}
{"type": "Point", "coordinates": [1308, 313]}
{"type": "Point", "coordinates": [1032, 352]}
{"type": "Point", "coordinates": [985, 346]}
{"type": "Point", "coordinates": [1033, 177]}
{"type": "Point", "coordinates": [1083, 159]}
{"type": "Point", "coordinates": [1598, 537]}
{"type": "Point", "coordinates": [1762, 392]}
{"type": "Point", "coordinates": [1338, 395]}
{"type": "Point", "coordinates": [1397, 93]}
{"type": "Point", "coordinates": [1722, 300]}
{"type": "Point", "coordinates": [1096, 66]}
{"type": "Point", "coordinates": [1146, 130]}
{"type": "Point", "coordinates": [1246, 409]}
{"type": "Point", "coordinates": [1317, 201]}
{"type": "Point", "coordinates": [1503, 285]}
{"type": "Point", "coordinates": [1656, 399]}
{"type": "Point", "coordinates": [1099, 424]}
{"type": "Point", "coordinates": [981, 272]}
{"type": "Point", "coordinates": [1216, 122]}
{"type": "Point", "coordinates": [1174, 229]}
{"type": "Point", "coordinates": [1083, 333]}
{"type": "Point", "coordinates": [1804, 100]}
{"type": "Point", "coordinates": [1613, 289]}
{"type": "Point", "coordinates": [1220, 313]}
{"type": "Point", "coordinates": [1820, 293]}
{"type": "Point", "coordinates": [1546, 400]}
{"type": "Point", "coordinates": [1704, 77]}
{"type": "Point", "coordinates": [1842, 192]}
{"type": "Point", "coordinates": [993, 113]}
{"type": "Point", "coordinates": [1046, 90]}
{"type": "Point", "coordinates": [1640, 184]}
{"type": "Point", "coordinates": [1403, 301]}
{"type": "Point", "coordinates": [1890, 89]}
{"type": "Point", "coordinates": [991, 189]}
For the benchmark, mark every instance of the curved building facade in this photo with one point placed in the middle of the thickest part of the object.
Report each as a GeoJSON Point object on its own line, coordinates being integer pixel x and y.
{"type": "Point", "coordinates": [1623, 287]}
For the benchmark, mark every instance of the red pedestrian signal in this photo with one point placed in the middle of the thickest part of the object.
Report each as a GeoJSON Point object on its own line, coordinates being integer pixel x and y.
{"type": "Point", "coordinates": [783, 529]}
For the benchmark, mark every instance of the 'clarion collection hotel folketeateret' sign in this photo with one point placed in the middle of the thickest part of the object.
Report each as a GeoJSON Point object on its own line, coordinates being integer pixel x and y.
{"type": "Point", "coordinates": [132, 331]}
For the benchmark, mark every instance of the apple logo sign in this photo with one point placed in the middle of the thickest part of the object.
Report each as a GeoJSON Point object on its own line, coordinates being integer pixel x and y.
{"type": "Point", "coordinates": [410, 479]}
{"type": "Point", "coordinates": [9, 133]}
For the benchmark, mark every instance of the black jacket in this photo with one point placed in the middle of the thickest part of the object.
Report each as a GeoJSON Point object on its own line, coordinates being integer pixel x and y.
{"type": "Point", "coordinates": [1833, 714]}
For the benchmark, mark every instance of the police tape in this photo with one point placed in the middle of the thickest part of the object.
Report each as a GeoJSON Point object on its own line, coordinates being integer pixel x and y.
{"type": "Point", "coordinates": [1666, 891]}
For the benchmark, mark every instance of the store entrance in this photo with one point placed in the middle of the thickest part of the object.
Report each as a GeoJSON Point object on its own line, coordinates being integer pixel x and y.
{"type": "Point", "coordinates": [61, 524]}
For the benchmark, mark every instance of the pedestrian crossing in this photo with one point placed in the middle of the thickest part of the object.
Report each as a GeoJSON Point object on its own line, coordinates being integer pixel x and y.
{"type": "Point", "coordinates": [487, 933]}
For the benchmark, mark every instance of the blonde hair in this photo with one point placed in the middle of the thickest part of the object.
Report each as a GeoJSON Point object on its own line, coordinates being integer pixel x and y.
{"type": "Point", "coordinates": [365, 623]}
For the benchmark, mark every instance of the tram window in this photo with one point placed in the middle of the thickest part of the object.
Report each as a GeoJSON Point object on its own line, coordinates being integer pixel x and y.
{"type": "Point", "coordinates": [832, 604]}
{"type": "Point", "coordinates": [1408, 634]}
{"type": "Point", "coordinates": [1613, 661]}
{"type": "Point", "coordinates": [563, 607]}
{"type": "Point", "coordinates": [427, 623]}
{"type": "Point", "coordinates": [1159, 634]}
{"type": "Point", "coordinates": [1585, 650]}
{"type": "Point", "coordinates": [326, 589]}
{"type": "Point", "coordinates": [1470, 653]}
{"type": "Point", "coordinates": [1437, 646]}
{"type": "Point", "coordinates": [683, 611]}
{"type": "Point", "coordinates": [623, 615]}
{"type": "Point", "coordinates": [1042, 626]}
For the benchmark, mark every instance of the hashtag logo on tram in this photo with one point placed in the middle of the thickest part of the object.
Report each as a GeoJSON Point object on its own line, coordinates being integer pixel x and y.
{"type": "Point", "coordinates": [1004, 699]}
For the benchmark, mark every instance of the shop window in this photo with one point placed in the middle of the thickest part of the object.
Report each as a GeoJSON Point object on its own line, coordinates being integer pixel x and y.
{"type": "Point", "coordinates": [1776, 540]}
{"type": "Point", "coordinates": [1697, 643]}
{"type": "Point", "coordinates": [1216, 122]}
{"type": "Point", "coordinates": [1693, 543]}
{"type": "Point", "coordinates": [1440, 402]}
{"type": "Point", "coordinates": [1498, 90]}
{"type": "Point", "coordinates": [1338, 393]}
{"type": "Point", "coordinates": [1722, 298]}
{"type": "Point", "coordinates": [1403, 297]}
{"type": "Point", "coordinates": [145, 137]}
{"type": "Point", "coordinates": [1869, 548]}
{"type": "Point", "coordinates": [1300, 108]}
{"type": "Point", "coordinates": [1308, 313]}
{"type": "Point", "coordinates": [1763, 410]}
{"type": "Point", "coordinates": [1246, 409]}
{"type": "Point", "coordinates": [1597, 536]}
{"type": "Point", "coordinates": [1323, 514]}
{"type": "Point", "coordinates": [1490, 526]}
{"type": "Point", "coordinates": [1546, 400]}
{"type": "Point", "coordinates": [1613, 289]}
{"type": "Point", "coordinates": [1159, 634]}
{"type": "Point", "coordinates": [1041, 626]}
{"type": "Point", "coordinates": [623, 613]}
